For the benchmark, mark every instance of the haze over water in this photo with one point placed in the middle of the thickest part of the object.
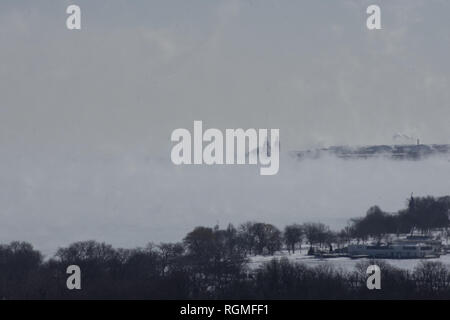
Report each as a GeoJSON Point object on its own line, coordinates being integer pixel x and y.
{"type": "Point", "coordinates": [130, 199]}
{"type": "Point", "coordinates": [86, 115]}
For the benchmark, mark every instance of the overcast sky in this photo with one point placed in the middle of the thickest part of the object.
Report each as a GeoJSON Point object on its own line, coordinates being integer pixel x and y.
{"type": "Point", "coordinates": [83, 113]}
{"type": "Point", "coordinates": [138, 70]}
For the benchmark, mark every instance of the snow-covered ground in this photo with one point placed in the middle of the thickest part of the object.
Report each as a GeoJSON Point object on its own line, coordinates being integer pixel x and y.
{"type": "Point", "coordinates": [343, 263]}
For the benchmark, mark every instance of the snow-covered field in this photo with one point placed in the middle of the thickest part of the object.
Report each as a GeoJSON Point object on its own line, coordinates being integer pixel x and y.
{"type": "Point", "coordinates": [343, 263]}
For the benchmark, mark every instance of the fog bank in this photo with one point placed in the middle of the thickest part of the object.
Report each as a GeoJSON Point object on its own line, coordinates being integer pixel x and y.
{"type": "Point", "coordinates": [129, 199]}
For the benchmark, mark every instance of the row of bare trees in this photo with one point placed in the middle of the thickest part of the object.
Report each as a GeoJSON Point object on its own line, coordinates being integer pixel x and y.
{"type": "Point", "coordinates": [422, 214]}
{"type": "Point", "coordinates": [201, 269]}
{"type": "Point", "coordinates": [212, 262]}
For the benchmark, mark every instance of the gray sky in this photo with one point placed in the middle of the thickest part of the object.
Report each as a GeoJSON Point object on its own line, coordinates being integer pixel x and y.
{"type": "Point", "coordinates": [137, 71]}
{"type": "Point", "coordinates": [86, 116]}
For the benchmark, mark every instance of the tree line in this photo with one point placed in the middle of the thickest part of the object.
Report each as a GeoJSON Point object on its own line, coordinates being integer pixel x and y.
{"type": "Point", "coordinates": [212, 263]}
{"type": "Point", "coordinates": [201, 271]}
{"type": "Point", "coordinates": [422, 214]}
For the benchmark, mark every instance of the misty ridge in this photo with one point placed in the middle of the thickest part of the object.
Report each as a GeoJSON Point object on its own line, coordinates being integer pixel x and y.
{"type": "Point", "coordinates": [213, 263]}
{"type": "Point", "coordinates": [130, 198]}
